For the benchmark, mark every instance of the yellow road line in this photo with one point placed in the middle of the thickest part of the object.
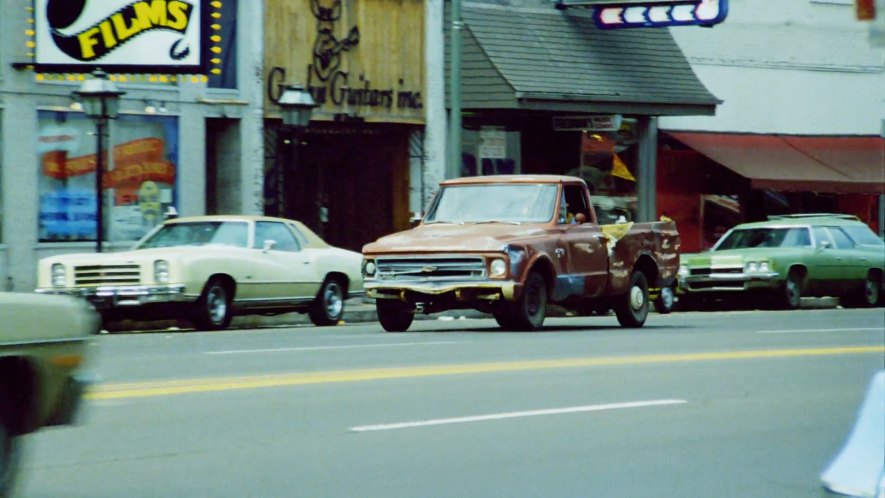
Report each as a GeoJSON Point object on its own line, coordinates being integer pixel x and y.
{"type": "Point", "coordinates": [186, 386]}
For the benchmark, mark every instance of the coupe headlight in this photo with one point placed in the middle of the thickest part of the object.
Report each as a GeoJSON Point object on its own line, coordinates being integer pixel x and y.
{"type": "Point", "coordinates": [59, 279]}
{"type": "Point", "coordinates": [369, 268]}
{"type": "Point", "coordinates": [497, 268]}
{"type": "Point", "coordinates": [161, 271]}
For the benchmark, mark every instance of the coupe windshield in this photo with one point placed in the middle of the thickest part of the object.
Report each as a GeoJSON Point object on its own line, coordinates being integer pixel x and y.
{"type": "Point", "coordinates": [764, 237]}
{"type": "Point", "coordinates": [229, 233]}
{"type": "Point", "coordinates": [491, 203]}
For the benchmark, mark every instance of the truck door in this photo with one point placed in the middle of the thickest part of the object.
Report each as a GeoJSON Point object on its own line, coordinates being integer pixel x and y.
{"type": "Point", "coordinates": [583, 254]}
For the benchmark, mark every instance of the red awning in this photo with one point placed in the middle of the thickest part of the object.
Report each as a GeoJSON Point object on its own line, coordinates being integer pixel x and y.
{"type": "Point", "coordinates": [796, 163]}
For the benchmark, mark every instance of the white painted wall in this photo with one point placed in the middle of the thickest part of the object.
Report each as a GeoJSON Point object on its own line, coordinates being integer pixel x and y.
{"type": "Point", "coordinates": [787, 66]}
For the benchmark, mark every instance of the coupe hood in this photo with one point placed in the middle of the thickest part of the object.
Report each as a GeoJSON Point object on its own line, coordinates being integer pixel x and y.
{"type": "Point", "coordinates": [471, 237]}
{"type": "Point", "coordinates": [126, 257]}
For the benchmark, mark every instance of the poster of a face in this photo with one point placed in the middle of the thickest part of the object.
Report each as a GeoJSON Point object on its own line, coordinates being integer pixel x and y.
{"type": "Point", "coordinates": [138, 181]}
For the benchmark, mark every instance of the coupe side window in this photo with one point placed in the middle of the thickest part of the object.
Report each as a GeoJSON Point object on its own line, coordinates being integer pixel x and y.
{"type": "Point", "coordinates": [843, 241]}
{"type": "Point", "coordinates": [283, 239]}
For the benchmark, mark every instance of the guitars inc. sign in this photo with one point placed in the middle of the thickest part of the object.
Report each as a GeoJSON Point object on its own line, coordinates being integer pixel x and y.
{"type": "Point", "coordinates": [122, 35]}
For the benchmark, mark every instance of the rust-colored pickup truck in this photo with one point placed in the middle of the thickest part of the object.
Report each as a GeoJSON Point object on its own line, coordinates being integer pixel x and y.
{"type": "Point", "coordinates": [511, 245]}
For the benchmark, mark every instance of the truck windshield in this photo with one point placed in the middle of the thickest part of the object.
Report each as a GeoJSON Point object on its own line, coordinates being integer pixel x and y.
{"type": "Point", "coordinates": [507, 203]}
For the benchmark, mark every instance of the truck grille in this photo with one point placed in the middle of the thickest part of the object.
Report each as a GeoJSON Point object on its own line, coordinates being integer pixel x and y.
{"type": "Point", "coordinates": [425, 268]}
{"type": "Point", "coordinates": [107, 275]}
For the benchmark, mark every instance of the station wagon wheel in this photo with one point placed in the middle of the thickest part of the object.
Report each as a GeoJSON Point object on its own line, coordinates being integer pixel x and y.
{"type": "Point", "coordinates": [631, 308]}
{"type": "Point", "coordinates": [665, 302]}
{"type": "Point", "coordinates": [866, 296]}
{"type": "Point", "coordinates": [9, 447]}
{"type": "Point", "coordinates": [328, 306]}
{"type": "Point", "coordinates": [529, 311]}
{"type": "Point", "coordinates": [791, 291]}
{"type": "Point", "coordinates": [213, 310]}
{"type": "Point", "coordinates": [395, 316]}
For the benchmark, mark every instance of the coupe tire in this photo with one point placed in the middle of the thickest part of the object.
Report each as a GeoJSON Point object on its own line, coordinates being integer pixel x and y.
{"type": "Point", "coordinates": [632, 307]}
{"type": "Point", "coordinates": [791, 291]}
{"type": "Point", "coordinates": [328, 306]}
{"type": "Point", "coordinates": [9, 448]}
{"type": "Point", "coordinates": [213, 309]}
{"type": "Point", "coordinates": [394, 316]}
{"type": "Point", "coordinates": [529, 311]}
{"type": "Point", "coordinates": [867, 296]}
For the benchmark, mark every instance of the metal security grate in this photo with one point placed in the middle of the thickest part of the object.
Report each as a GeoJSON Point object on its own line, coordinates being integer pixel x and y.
{"type": "Point", "coordinates": [423, 268]}
{"type": "Point", "coordinates": [107, 275]}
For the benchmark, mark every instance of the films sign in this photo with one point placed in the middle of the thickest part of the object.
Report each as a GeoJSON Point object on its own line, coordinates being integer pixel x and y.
{"type": "Point", "coordinates": [121, 35]}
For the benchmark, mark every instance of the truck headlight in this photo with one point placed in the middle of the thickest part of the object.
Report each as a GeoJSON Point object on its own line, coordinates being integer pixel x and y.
{"type": "Point", "coordinates": [369, 267]}
{"type": "Point", "coordinates": [161, 271]}
{"type": "Point", "coordinates": [497, 268]}
{"type": "Point", "coordinates": [59, 279]}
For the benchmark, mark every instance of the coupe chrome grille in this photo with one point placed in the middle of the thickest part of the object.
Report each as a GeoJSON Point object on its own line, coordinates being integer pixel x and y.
{"type": "Point", "coordinates": [424, 268]}
{"type": "Point", "coordinates": [107, 275]}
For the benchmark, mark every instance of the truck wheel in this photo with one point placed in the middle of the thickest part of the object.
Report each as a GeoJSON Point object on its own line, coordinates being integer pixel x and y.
{"type": "Point", "coordinates": [9, 448]}
{"type": "Point", "coordinates": [328, 306]}
{"type": "Point", "coordinates": [394, 316]}
{"type": "Point", "coordinates": [503, 317]}
{"type": "Point", "coordinates": [632, 307]}
{"type": "Point", "coordinates": [664, 303]}
{"type": "Point", "coordinates": [212, 310]}
{"type": "Point", "coordinates": [528, 312]}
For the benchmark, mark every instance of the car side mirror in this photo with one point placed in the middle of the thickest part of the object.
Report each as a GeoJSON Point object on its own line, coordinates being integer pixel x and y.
{"type": "Point", "coordinates": [825, 244]}
{"type": "Point", "coordinates": [268, 245]}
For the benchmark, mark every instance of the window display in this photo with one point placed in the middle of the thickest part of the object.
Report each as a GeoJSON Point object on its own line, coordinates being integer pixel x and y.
{"type": "Point", "coordinates": [138, 184]}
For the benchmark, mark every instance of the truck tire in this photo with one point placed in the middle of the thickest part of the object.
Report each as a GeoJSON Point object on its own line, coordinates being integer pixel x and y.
{"type": "Point", "coordinates": [212, 310]}
{"type": "Point", "coordinates": [394, 316]}
{"type": "Point", "coordinates": [529, 311]}
{"type": "Point", "coordinates": [328, 306]}
{"type": "Point", "coordinates": [9, 448]}
{"type": "Point", "coordinates": [631, 308]}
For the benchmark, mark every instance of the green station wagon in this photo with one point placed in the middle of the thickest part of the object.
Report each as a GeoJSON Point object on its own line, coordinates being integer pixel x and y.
{"type": "Point", "coordinates": [786, 258]}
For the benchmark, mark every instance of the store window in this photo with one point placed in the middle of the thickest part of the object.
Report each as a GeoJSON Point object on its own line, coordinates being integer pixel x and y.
{"type": "Point", "coordinates": [608, 165]}
{"type": "Point", "coordinates": [139, 181]}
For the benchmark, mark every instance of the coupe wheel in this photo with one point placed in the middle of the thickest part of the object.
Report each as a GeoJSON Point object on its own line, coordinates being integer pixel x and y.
{"type": "Point", "coordinates": [328, 306]}
{"type": "Point", "coordinates": [866, 296]}
{"type": "Point", "coordinates": [212, 310]}
{"type": "Point", "coordinates": [394, 316]}
{"type": "Point", "coordinates": [632, 307]}
{"type": "Point", "coordinates": [791, 291]}
{"type": "Point", "coordinates": [529, 311]}
{"type": "Point", "coordinates": [9, 448]}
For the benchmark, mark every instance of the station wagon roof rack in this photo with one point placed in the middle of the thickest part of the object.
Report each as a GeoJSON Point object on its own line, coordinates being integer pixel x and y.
{"type": "Point", "coordinates": [842, 216]}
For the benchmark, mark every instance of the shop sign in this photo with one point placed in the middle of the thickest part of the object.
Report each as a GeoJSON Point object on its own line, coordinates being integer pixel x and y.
{"type": "Point", "coordinates": [597, 122]}
{"type": "Point", "coordinates": [132, 36]}
{"type": "Point", "coordinates": [492, 142]}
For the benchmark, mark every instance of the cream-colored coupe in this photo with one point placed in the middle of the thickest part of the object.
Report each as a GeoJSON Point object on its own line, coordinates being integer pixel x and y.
{"type": "Point", "coordinates": [208, 269]}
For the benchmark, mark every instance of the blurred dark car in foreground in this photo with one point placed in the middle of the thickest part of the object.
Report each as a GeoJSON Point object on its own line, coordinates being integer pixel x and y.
{"type": "Point", "coordinates": [43, 341]}
{"type": "Point", "coordinates": [786, 258]}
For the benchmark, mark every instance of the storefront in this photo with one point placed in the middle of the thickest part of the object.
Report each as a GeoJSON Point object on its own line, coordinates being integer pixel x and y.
{"type": "Point", "coordinates": [710, 181]}
{"type": "Point", "coordinates": [346, 175]}
{"type": "Point", "coordinates": [546, 91]}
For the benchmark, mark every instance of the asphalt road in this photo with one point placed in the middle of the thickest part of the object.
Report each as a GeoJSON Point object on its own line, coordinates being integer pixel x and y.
{"type": "Point", "coordinates": [726, 404]}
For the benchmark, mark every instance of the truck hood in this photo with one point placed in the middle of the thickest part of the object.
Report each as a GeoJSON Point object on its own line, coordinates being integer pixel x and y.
{"type": "Point", "coordinates": [473, 237]}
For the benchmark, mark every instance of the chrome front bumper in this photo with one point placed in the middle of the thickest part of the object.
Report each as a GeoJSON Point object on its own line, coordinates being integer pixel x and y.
{"type": "Point", "coordinates": [729, 282]}
{"type": "Point", "coordinates": [485, 290]}
{"type": "Point", "coordinates": [104, 297]}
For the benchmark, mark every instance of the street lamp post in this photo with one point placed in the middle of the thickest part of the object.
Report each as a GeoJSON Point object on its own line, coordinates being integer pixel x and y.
{"type": "Point", "coordinates": [296, 105]}
{"type": "Point", "coordinates": [101, 101]}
